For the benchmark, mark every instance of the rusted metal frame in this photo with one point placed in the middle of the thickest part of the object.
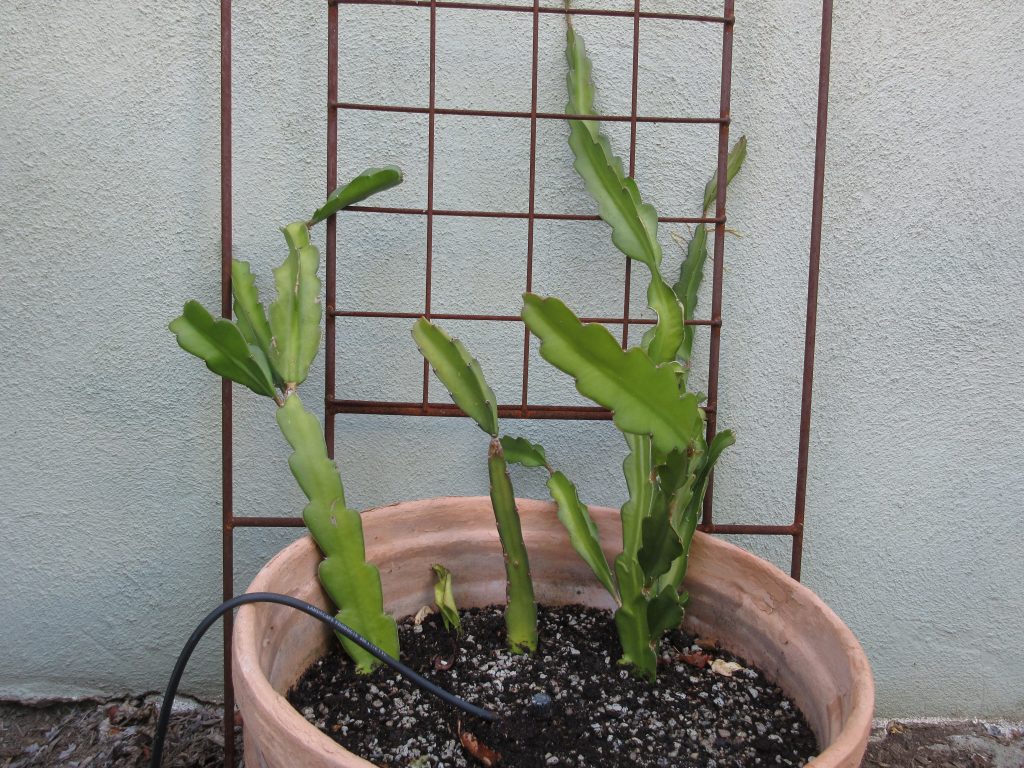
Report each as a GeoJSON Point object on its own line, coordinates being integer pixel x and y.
{"type": "Point", "coordinates": [517, 214]}
{"type": "Point", "coordinates": [461, 112]}
{"type": "Point", "coordinates": [719, 251]}
{"type": "Point", "coordinates": [814, 260]}
{"type": "Point", "coordinates": [635, 82]}
{"type": "Point", "coordinates": [497, 318]}
{"type": "Point", "coordinates": [331, 250]}
{"type": "Point", "coordinates": [431, 118]}
{"type": "Point", "coordinates": [727, 529]}
{"type": "Point", "coordinates": [557, 10]}
{"type": "Point", "coordinates": [531, 204]}
{"type": "Point", "coordinates": [226, 420]}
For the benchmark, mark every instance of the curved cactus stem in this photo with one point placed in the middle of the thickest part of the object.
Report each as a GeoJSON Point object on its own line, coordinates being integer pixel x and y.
{"type": "Point", "coordinates": [350, 581]}
{"type": "Point", "coordinates": [521, 611]}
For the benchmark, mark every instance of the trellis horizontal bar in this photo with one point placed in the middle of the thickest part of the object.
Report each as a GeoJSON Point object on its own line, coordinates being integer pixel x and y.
{"type": "Point", "coordinates": [501, 318]}
{"type": "Point", "coordinates": [542, 9]}
{"type": "Point", "coordinates": [459, 112]}
{"type": "Point", "coordinates": [267, 522]}
{"type": "Point", "coordinates": [745, 529]}
{"type": "Point", "coordinates": [523, 215]}
{"type": "Point", "coordinates": [386, 408]}
{"type": "Point", "coordinates": [727, 529]}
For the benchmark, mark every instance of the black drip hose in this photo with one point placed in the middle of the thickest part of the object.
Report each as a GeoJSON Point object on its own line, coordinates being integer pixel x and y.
{"type": "Point", "coordinates": [272, 597]}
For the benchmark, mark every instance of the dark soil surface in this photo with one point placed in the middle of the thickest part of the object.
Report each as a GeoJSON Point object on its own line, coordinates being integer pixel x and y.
{"type": "Point", "coordinates": [698, 714]}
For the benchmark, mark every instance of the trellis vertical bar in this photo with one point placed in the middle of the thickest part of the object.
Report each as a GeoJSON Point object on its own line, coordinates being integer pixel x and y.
{"type": "Point", "coordinates": [628, 279]}
{"type": "Point", "coordinates": [533, 196]}
{"type": "Point", "coordinates": [330, 275]}
{"type": "Point", "coordinates": [719, 252]}
{"type": "Point", "coordinates": [227, 468]}
{"type": "Point", "coordinates": [811, 325]}
{"type": "Point", "coordinates": [431, 119]}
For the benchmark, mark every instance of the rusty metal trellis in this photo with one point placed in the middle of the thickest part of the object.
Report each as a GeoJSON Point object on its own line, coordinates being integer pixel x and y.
{"type": "Point", "coordinates": [523, 409]}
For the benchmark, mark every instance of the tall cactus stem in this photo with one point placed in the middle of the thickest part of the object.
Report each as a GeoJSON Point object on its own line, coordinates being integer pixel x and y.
{"type": "Point", "coordinates": [521, 610]}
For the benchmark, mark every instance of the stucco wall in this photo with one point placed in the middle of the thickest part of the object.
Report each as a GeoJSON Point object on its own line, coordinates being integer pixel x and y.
{"type": "Point", "coordinates": [109, 479]}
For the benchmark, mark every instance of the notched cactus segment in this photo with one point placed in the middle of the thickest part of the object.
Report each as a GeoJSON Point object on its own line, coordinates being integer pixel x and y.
{"type": "Point", "coordinates": [295, 314]}
{"type": "Point", "coordinates": [351, 582]}
{"type": "Point", "coordinates": [664, 612]}
{"type": "Point", "coordinates": [220, 344]}
{"type": "Point", "coordinates": [637, 468]}
{"type": "Point", "coordinates": [521, 451]}
{"type": "Point", "coordinates": [249, 312]}
{"type": "Point", "coordinates": [460, 374]}
{"type": "Point", "coordinates": [316, 474]}
{"type": "Point", "coordinates": [660, 543]}
{"type": "Point", "coordinates": [369, 182]}
{"type": "Point", "coordinates": [634, 223]}
{"type": "Point", "coordinates": [444, 599]}
{"type": "Point", "coordinates": [583, 534]}
{"type": "Point", "coordinates": [644, 398]}
{"type": "Point", "coordinates": [733, 163]}
{"type": "Point", "coordinates": [662, 342]}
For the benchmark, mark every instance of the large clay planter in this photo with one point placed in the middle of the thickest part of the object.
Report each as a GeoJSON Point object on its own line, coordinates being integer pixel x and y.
{"type": "Point", "coordinates": [748, 605]}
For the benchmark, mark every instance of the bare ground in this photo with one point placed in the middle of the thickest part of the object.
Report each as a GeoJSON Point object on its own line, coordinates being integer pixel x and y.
{"type": "Point", "coordinates": [118, 734]}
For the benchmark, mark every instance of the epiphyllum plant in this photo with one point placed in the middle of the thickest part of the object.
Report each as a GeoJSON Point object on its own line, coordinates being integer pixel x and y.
{"type": "Point", "coordinates": [645, 387]}
{"type": "Point", "coordinates": [270, 353]}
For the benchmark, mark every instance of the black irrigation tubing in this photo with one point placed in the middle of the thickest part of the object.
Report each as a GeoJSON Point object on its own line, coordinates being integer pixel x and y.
{"type": "Point", "coordinates": [272, 597]}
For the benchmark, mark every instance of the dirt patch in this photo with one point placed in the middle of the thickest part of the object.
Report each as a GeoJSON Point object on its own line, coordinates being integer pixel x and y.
{"type": "Point", "coordinates": [110, 734]}
{"type": "Point", "coordinates": [945, 744]}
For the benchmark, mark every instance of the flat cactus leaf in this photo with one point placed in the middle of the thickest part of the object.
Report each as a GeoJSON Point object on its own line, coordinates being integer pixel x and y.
{"type": "Point", "coordinates": [519, 450]}
{"type": "Point", "coordinates": [444, 599]}
{"type": "Point", "coordinates": [316, 474]}
{"type": "Point", "coordinates": [583, 533]}
{"type": "Point", "coordinates": [660, 545]}
{"type": "Point", "coordinates": [351, 582]}
{"type": "Point", "coordinates": [250, 316]}
{"type": "Point", "coordinates": [295, 314]}
{"type": "Point", "coordinates": [220, 344]}
{"type": "Point", "coordinates": [637, 467]}
{"type": "Point", "coordinates": [644, 398]}
{"type": "Point", "coordinates": [664, 612]}
{"type": "Point", "coordinates": [634, 224]}
{"type": "Point", "coordinates": [733, 163]}
{"type": "Point", "coordinates": [459, 372]}
{"type": "Point", "coordinates": [578, 80]}
{"type": "Point", "coordinates": [691, 273]}
{"type": "Point", "coordinates": [369, 182]}
{"type": "Point", "coordinates": [666, 337]}
{"type": "Point", "coordinates": [631, 620]}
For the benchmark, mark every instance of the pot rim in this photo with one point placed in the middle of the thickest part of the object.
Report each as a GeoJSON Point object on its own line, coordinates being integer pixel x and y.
{"type": "Point", "coordinates": [245, 644]}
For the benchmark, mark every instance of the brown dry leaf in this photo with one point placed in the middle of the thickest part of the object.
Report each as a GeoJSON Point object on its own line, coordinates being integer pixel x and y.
{"type": "Point", "coordinates": [696, 659]}
{"type": "Point", "coordinates": [421, 615]}
{"type": "Point", "coordinates": [483, 754]}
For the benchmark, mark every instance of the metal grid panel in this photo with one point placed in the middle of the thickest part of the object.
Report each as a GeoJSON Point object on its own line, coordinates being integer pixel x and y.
{"type": "Point", "coordinates": [524, 408]}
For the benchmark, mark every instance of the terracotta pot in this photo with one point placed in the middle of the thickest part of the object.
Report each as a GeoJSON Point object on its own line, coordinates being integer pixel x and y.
{"type": "Point", "coordinates": [751, 607]}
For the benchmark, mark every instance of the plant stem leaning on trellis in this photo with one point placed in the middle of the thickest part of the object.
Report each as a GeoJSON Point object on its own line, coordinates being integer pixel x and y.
{"type": "Point", "coordinates": [461, 375]}
{"type": "Point", "coordinates": [272, 358]}
{"type": "Point", "coordinates": [645, 388]}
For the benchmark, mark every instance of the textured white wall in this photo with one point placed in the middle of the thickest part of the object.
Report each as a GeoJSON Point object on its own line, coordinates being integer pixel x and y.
{"type": "Point", "coordinates": [109, 203]}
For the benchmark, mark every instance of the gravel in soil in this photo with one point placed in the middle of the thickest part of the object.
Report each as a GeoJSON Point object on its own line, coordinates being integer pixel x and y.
{"type": "Point", "coordinates": [569, 704]}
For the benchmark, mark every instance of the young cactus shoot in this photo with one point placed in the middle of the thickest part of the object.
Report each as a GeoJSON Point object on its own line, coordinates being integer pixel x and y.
{"type": "Point", "coordinates": [270, 353]}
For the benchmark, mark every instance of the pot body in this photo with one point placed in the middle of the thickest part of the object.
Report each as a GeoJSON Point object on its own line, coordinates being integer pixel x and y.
{"type": "Point", "coordinates": [746, 604]}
